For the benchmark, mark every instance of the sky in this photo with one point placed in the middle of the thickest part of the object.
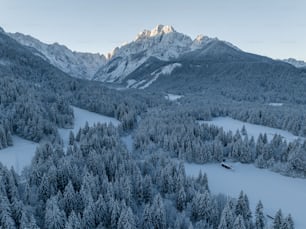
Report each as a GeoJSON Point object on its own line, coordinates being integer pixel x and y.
{"type": "Point", "coordinates": [274, 28]}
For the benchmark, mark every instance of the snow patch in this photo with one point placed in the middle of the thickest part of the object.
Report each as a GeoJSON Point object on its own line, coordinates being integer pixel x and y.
{"type": "Point", "coordinates": [150, 82]}
{"type": "Point", "coordinates": [5, 62]}
{"type": "Point", "coordinates": [128, 142]}
{"type": "Point", "coordinates": [82, 116]}
{"type": "Point", "coordinates": [229, 124]}
{"type": "Point", "coordinates": [276, 104]}
{"type": "Point", "coordinates": [138, 84]}
{"type": "Point", "coordinates": [167, 70]}
{"type": "Point", "coordinates": [274, 190]}
{"type": "Point", "coordinates": [130, 83]}
{"type": "Point", "coordinates": [19, 155]}
{"type": "Point", "coordinates": [172, 97]}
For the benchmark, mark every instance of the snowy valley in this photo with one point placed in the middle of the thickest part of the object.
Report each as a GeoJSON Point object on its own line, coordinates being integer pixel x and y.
{"type": "Point", "coordinates": [118, 141]}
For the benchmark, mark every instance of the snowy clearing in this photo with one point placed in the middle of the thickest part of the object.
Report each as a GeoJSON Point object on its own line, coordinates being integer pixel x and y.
{"type": "Point", "coordinates": [229, 124]}
{"type": "Point", "coordinates": [172, 97]}
{"type": "Point", "coordinates": [82, 116]}
{"type": "Point", "coordinates": [128, 142]}
{"type": "Point", "coordinates": [276, 104]}
{"type": "Point", "coordinates": [274, 190]}
{"type": "Point", "coordinates": [19, 155]}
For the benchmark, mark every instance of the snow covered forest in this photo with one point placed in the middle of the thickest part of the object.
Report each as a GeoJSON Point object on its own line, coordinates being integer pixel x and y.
{"type": "Point", "coordinates": [97, 181]}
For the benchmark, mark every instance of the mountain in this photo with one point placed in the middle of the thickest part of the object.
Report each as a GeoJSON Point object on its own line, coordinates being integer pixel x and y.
{"type": "Point", "coordinates": [295, 63]}
{"type": "Point", "coordinates": [219, 68]}
{"type": "Point", "coordinates": [18, 61]}
{"type": "Point", "coordinates": [163, 43]}
{"type": "Point", "coordinates": [77, 64]}
{"type": "Point", "coordinates": [165, 60]}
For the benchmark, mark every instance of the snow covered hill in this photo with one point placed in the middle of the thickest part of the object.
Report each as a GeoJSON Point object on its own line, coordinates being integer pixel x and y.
{"type": "Point", "coordinates": [77, 64]}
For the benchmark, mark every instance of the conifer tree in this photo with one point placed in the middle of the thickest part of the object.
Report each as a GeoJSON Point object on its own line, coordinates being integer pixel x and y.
{"type": "Point", "coordinates": [259, 216]}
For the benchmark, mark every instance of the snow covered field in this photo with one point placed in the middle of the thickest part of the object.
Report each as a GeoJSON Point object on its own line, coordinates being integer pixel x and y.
{"type": "Point", "coordinates": [22, 152]}
{"type": "Point", "coordinates": [19, 155]}
{"type": "Point", "coordinates": [172, 97]}
{"type": "Point", "coordinates": [82, 116]}
{"type": "Point", "coordinates": [229, 124]}
{"type": "Point", "coordinates": [274, 190]}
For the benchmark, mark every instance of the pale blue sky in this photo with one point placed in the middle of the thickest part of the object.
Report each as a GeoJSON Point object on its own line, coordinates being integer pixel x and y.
{"type": "Point", "coordinates": [276, 28]}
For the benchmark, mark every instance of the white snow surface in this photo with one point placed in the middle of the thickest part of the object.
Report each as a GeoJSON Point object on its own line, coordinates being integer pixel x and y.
{"type": "Point", "coordinates": [19, 155]}
{"type": "Point", "coordinates": [229, 124]}
{"type": "Point", "coordinates": [82, 116]}
{"type": "Point", "coordinates": [172, 97]}
{"type": "Point", "coordinates": [136, 85]}
{"type": "Point", "coordinates": [276, 104]}
{"type": "Point", "coordinates": [128, 142]}
{"type": "Point", "coordinates": [4, 62]}
{"type": "Point", "coordinates": [150, 82]}
{"type": "Point", "coordinates": [167, 70]}
{"type": "Point", "coordinates": [274, 190]}
{"type": "Point", "coordinates": [130, 83]}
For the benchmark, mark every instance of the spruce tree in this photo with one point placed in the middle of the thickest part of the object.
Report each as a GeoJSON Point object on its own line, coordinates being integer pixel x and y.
{"type": "Point", "coordinates": [259, 216]}
{"type": "Point", "coordinates": [239, 223]}
{"type": "Point", "coordinates": [278, 220]}
{"type": "Point", "coordinates": [54, 217]}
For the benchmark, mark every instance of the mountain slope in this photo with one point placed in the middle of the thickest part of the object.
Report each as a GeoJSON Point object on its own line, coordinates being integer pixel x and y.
{"type": "Point", "coordinates": [77, 64]}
